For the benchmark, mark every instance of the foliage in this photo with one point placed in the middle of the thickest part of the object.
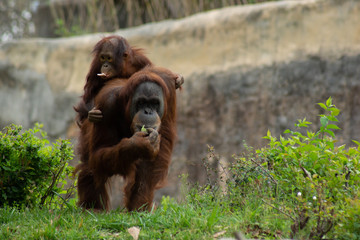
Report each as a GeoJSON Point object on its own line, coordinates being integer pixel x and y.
{"type": "Point", "coordinates": [31, 170]}
{"type": "Point", "coordinates": [304, 176]}
{"type": "Point", "coordinates": [106, 16]}
{"type": "Point", "coordinates": [20, 19]}
{"type": "Point", "coordinates": [64, 31]}
{"type": "Point", "coordinates": [302, 185]}
{"type": "Point", "coordinates": [319, 178]}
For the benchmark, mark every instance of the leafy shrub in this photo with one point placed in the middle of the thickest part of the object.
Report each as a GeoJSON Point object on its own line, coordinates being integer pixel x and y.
{"type": "Point", "coordinates": [305, 177]}
{"type": "Point", "coordinates": [321, 178]}
{"type": "Point", "coordinates": [31, 170]}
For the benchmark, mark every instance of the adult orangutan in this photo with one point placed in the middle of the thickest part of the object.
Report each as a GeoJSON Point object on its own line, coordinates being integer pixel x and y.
{"type": "Point", "coordinates": [113, 58]}
{"type": "Point", "coordinates": [134, 139]}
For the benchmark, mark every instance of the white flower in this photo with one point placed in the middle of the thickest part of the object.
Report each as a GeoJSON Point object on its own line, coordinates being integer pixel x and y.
{"type": "Point", "coordinates": [299, 194]}
{"type": "Point", "coordinates": [314, 197]}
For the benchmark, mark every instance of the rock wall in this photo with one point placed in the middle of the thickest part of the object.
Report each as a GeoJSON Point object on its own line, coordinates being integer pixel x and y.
{"type": "Point", "coordinates": [228, 107]}
{"type": "Point", "coordinates": [247, 69]}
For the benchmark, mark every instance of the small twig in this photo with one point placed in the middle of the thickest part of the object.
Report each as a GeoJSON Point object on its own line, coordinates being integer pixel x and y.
{"type": "Point", "coordinates": [264, 169]}
{"type": "Point", "coordinates": [54, 181]}
{"type": "Point", "coordinates": [224, 170]}
{"type": "Point", "coordinates": [306, 172]}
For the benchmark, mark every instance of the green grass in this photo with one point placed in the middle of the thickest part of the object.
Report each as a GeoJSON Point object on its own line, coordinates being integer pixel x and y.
{"type": "Point", "coordinates": [170, 220]}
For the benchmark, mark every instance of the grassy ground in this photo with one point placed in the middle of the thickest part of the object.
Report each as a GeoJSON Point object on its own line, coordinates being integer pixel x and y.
{"type": "Point", "coordinates": [203, 220]}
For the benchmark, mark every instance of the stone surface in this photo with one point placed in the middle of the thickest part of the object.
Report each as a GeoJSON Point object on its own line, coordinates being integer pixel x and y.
{"type": "Point", "coordinates": [226, 108]}
{"type": "Point", "coordinates": [247, 69]}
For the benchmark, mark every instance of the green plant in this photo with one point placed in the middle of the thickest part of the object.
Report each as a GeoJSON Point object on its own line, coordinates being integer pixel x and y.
{"type": "Point", "coordinates": [305, 176]}
{"type": "Point", "coordinates": [320, 177]}
{"type": "Point", "coordinates": [65, 31]}
{"type": "Point", "coordinates": [31, 170]}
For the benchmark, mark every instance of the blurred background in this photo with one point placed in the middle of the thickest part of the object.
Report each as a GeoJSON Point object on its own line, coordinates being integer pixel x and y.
{"type": "Point", "coordinates": [63, 18]}
{"type": "Point", "coordinates": [249, 67]}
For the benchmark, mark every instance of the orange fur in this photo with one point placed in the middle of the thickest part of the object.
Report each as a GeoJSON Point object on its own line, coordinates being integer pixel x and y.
{"type": "Point", "coordinates": [109, 147]}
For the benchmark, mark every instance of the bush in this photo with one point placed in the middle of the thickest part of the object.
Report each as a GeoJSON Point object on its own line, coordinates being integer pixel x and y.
{"type": "Point", "coordinates": [305, 177]}
{"type": "Point", "coordinates": [31, 170]}
{"type": "Point", "coordinates": [321, 179]}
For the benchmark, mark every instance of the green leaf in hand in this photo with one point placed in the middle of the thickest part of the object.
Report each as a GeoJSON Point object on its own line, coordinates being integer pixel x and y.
{"type": "Point", "coordinates": [143, 129]}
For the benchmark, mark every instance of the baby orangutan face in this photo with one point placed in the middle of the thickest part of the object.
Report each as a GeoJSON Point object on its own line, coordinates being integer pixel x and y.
{"type": "Point", "coordinates": [110, 63]}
